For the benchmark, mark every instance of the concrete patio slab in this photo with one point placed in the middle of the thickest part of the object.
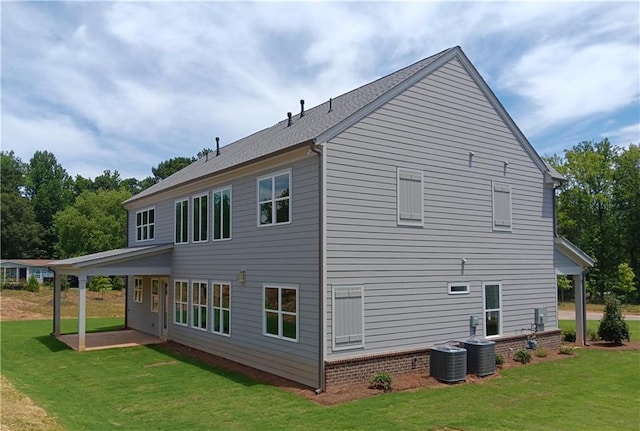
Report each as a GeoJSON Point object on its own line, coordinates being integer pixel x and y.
{"type": "Point", "coordinates": [110, 339]}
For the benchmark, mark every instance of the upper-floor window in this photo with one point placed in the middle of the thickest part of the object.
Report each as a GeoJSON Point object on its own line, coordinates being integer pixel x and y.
{"type": "Point", "coordinates": [501, 197]}
{"type": "Point", "coordinates": [145, 224]}
{"type": "Point", "coordinates": [410, 197]}
{"type": "Point", "coordinates": [274, 199]}
{"type": "Point", "coordinates": [182, 221]}
{"type": "Point", "coordinates": [222, 214]}
{"type": "Point", "coordinates": [200, 217]}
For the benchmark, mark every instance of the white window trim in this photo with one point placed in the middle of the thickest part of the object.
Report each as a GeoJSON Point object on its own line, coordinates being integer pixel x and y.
{"type": "Point", "coordinates": [135, 221]}
{"type": "Point", "coordinates": [484, 309]}
{"type": "Point", "coordinates": [184, 240]}
{"type": "Point", "coordinates": [155, 296]}
{"type": "Point", "coordinates": [175, 301]}
{"type": "Point", "coordinates": [138, 290]}
{"type": "Point", "coordinates": [273, 200]}
{"type": "Point", "coordinates": [213, 208]}
{"type": "Point", "coordinates": [465, 292]}
{"type": "Point", "coordinates": [400, 221]}
{"type": "Point", "coordinates": [193, 214]}
{"type": "Point", "coordinates": [280, 313]}
{"type": "Point", "coordinates": [493, 203]}
{"type": "Point", "coordinates": [221, 283]}
{"type": "Point", "coordinates": [200, 306]}
{"type": "Point", "coordinates": [333, 322]}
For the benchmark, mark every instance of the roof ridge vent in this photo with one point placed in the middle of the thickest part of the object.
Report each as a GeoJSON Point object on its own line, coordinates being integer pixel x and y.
{"type": "Point", "coordinates": [301, 108]}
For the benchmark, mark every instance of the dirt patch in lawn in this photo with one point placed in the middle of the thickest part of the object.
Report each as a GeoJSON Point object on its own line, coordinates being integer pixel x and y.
{"type": "Point", "coordinates": [342, 393]}
{"type": "Point", "coordinates": [20, 413]}
{"type": "Point", "coordinates": [24, 305]}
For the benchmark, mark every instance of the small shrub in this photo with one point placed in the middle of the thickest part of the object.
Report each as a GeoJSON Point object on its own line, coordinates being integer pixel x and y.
{"type": "Point", "coordinates": [593, 335]}
{"type": "Point", "coordinates": [117, 283]}
{"type": "Point", "coordinates": [499, 359]}
{"type": "Point", "coordinates": [523, 356]}
{"type": "Point", "coordinates": [382, 381]}
{"type": "Point", "coordinates": [566, 350]}
{"type": "Point", "coordinates": [541, 352]}
{"type": "Point", "coordinates": [612, 327]}
{"type": "Point", "coordinates": [32, 284]}
{"type": "Point", "coordinates": [569, 336]}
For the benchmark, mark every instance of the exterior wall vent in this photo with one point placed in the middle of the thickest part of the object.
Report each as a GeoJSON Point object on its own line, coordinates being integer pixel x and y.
{"type": "Point", "coordinates": [481, 356]}
{"type": "Point", "coordinates": [448, 363]}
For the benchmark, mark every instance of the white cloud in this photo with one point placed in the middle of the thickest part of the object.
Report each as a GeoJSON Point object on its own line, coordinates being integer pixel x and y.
{"type": "Point", "coordinates": [563, 82]}
{"type": "Point", "coordinates": [156, 80]}
{"type": "Point", "coordinates": [624, 135]}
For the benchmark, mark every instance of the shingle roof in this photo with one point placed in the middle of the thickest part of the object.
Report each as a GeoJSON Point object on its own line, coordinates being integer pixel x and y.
{"type": "Point", "coordinates": [278, 137]}
{"type": "Point", "coordinates": [28, 262]}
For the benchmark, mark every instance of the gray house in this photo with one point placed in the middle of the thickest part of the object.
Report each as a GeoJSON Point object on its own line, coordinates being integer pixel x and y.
{"type": "Point", "coordinates": [351, 237]}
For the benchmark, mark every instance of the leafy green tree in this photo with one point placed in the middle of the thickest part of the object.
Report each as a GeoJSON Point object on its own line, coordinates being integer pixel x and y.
{"type": "Point", "coordinates": [623, 285]}
{"type": "Point", "coordinates": [100, 284]}
{"type": "Point", "coordinates": [586, 208]}
{"type": "Point", "coordinates": [107, 181]}
{"type": "Point", "coordinates": [612, 326]}
{"type": "Point", "coordinates": [80, 184]}
{"type": "Point", "coordinates": [626, 198]}
{"type": "Point", "coordinates": [20, 234]}
{"type": "Point", "coordinates": [95, 222]}
{"type": "Point", "coordinates": [171, 166]}
{"type": "Point", "coordinates": [13, 170]}
{"type": "Point", "coordinates": [49, 188]}
{"type": "Point", "coordinates": [32, 284]}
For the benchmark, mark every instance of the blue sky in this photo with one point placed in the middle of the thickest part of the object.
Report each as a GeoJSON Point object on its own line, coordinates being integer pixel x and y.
{"type": "Point", "coordinates": [124, 86]}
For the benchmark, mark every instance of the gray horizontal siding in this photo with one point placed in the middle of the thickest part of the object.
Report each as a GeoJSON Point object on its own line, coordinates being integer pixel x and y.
{"type": "Point", "coordinates": [282, 254]}
{"type": "Point", "coordinates": [432, 127]}
{"type": "Point", "coordinates": [139, 314]}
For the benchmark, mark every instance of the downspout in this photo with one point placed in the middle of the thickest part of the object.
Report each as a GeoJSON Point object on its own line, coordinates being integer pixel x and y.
{"type": "Point", "coordinates": [321, 373]}
{"type": "Point", "coordinates": [126, 289]}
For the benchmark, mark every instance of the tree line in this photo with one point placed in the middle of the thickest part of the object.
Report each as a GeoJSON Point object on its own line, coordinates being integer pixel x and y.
{"type": "Point", "coordinates": [46, 213]}
{"type": "Point", "coordinates": [599, 211]}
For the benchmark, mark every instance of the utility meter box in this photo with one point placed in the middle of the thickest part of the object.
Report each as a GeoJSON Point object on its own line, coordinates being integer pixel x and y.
{"type": "Point", "coordinates": [540, 318]}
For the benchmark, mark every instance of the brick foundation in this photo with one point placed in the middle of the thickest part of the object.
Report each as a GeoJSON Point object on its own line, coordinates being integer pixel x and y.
{"type": "Point", "coordinates": [362, 368]}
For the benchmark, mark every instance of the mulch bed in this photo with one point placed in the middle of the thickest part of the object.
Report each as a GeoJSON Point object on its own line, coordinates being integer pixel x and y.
{"type": "Point", "coordinates": [343, 393]}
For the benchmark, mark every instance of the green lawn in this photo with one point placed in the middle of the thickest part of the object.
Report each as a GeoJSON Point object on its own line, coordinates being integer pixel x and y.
{"type": "Point", "coordinates": [634, 326]}
{"type": "Point", "coordinates": [143, 388]}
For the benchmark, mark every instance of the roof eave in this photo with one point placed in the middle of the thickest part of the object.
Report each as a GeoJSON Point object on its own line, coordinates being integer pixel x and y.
{"type": "Point", "coordinates": [574, 253]}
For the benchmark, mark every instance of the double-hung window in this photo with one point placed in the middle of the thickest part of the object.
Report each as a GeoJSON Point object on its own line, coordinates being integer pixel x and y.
{"type": "Point", "coordinates": [221, 308]}
{"type": "Point", "coordinates": [281, 312]}
{"type": "Point", "coordinates": [199, 304]}
{"type": "Point", "coordinates": [492, 309]}
{"type": "Point", "coordinates": [145, 224]}
{"type": "Point", "coordinates": [200, 217]}
{"type": "Point", "coordinates": [181, 302]}
{"type": "Point", "coordinates": [410, 197]}
{"type": "Point", "coordinates": [155, 295]}
{"type": "Point", "coordinates": [274, 199]}
{"type": "Point", "coordinates": [137, 289]}
{"type": "Point", "coordinates": [501, 197]}
{"type": "Point", "coordinates": [222, 214]}
{"type": "Point", "coordinates": [182, 221]}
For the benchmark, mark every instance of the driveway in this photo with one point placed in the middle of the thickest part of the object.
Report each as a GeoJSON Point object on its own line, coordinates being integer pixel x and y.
{"type": "Point", "coordinates": [591, 315]}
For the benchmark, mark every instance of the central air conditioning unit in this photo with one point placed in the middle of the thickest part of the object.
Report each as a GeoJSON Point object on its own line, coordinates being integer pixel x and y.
{"type": "Point", "coordinates": [481, 356]}
{"type": "Point", "coordinates": [448, 363]}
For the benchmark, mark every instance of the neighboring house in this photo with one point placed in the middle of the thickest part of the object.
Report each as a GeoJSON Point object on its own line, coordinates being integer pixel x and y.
{"type": "Point", "coordinates": [350, 237]}
{"type": "Point", "coordinates": [21, 269]}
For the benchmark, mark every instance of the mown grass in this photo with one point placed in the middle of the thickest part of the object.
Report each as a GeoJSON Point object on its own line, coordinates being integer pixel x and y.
{"type": "Point", "coordinates": [592, 325]}
{"type": "Point", "coordinates": [626, 308]}
{"type": "Point", "coordinates": [144, 388]}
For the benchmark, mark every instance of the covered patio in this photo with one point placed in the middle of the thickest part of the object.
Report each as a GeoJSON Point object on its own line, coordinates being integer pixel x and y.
{"type": "Point", "coordinates": [154, 260]}
{"type": "Point", "coordinates": [571, 261]}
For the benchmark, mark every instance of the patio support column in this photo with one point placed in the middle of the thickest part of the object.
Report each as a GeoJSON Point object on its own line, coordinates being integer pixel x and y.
{"type": "Point", "coordinates": [82, 311]}
{"type": "Point", "coordinates": [57, 301]}
{"type": "Point", "coordinates": [581, 305]}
